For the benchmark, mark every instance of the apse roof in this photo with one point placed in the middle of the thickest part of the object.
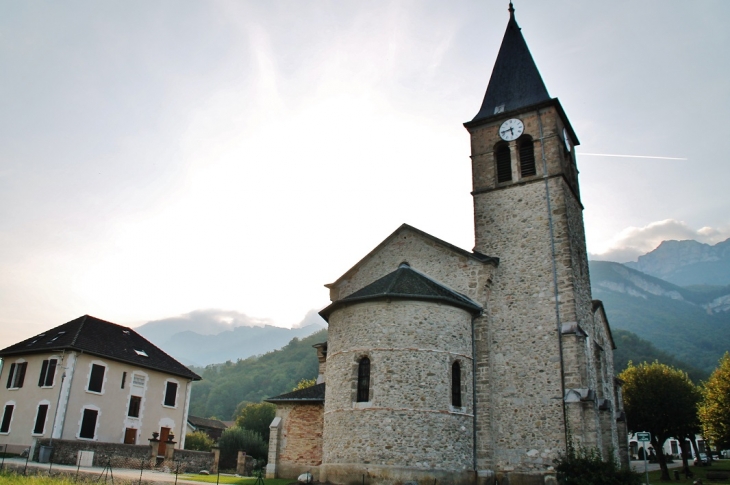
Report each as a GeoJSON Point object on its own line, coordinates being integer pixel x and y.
{"type": "Point", "coordinates": [314, 393]}
{"type": "Point", "coordinates": [104, 339]}
{"type": "Point", "coordinates": [516, 82]}
{"type": "Point", "coordinates": [405, 283]}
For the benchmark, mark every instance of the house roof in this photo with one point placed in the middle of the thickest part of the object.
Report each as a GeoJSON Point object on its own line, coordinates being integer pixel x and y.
{"type": "Point", "coordinates": [405, 283]}
{"type": "Point", "coordinates": [474, 255]}
{"type": "Point", "coordinates": [516, 81]}
{"type": "Point", "coordinates": [311, 394]}
{"type": "Point", "coordinates": [206, 423]}
{"type": "Point", "coordinates": [94, 336]}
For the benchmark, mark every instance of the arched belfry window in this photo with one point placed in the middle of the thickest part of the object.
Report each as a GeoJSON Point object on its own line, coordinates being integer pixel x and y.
{"type": "Point", "coordinates": [504, 162]}
{"type": "Point", "coordinates": [456, 385]}
{"type": "Point", "coordinates": [527, 156]}
{"type": "Point", "coordinates": [363, 380]}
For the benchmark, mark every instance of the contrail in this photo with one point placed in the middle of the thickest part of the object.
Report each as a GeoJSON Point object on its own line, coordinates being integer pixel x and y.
{"type": "Point", "coordinates": [629, 156]}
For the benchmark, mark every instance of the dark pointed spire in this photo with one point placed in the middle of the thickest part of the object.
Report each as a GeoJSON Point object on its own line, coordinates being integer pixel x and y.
{"type": "Point", "coordinates": [515, 82]}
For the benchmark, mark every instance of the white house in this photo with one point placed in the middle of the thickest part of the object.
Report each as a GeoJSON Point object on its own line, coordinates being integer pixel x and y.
{"type": "Point", "coordinates": [91, 380]}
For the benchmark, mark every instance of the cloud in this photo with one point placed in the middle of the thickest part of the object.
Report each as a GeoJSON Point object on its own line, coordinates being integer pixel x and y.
{"type": "Point", "coordinates": [633, 242]}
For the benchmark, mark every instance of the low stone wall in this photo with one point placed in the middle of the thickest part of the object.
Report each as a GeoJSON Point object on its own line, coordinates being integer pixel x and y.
{"type": "Point", "coordinates": [65, 452]}
{"type": "Point", "coordinates": [196, 461]}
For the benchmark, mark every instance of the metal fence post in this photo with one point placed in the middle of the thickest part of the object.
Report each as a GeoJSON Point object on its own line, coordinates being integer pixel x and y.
{"type": "Point", "coordinates": [141, 468]}
{"type": "Point", "coordinates": [25, 470]}
{"type": "Point", "coordinates": [5, 448]}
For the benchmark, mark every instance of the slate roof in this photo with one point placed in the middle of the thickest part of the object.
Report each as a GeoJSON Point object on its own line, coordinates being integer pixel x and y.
{"type": "Point", "coordinates": [405, 283]}
{"type": "Point", "coordinates": [206, 423]}
{"type": "Point", "coordinates": [516, 81]}
{"type": "Point", "coordinates": [313, 394]}
{"type": "Point", "coordinates": [104, 339]}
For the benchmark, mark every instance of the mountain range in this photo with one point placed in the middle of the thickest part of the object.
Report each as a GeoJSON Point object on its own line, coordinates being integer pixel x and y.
{"type": "Point", "coordinates": [690, 322]}
{"type": "Point", "coordinates": [207, 337]}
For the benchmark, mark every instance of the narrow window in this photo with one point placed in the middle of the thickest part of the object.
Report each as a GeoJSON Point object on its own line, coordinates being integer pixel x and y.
{"type": "Point", "coordinates": [527, 156]}
{"type": "Point", "coordinates": [11, 373]}
{"type": "Point", "coordinates": [124, 378]}
{"type": "Point", "coordinates": [96, 380]}
{"type": "Point", "coordinates": [7, 417]}
{"type": "Point", "coordinates": [48, 372]}
{"type": "Point", "coordinates": [134, 403]}
{"type": "Point", "coordinates": [456, 385]}
{"type": "Point", "coordinates": [88, 424]}
{"type": "Point", "coordinates": [363, 380]}
{"type": "Point", "coordinates": [170, 393]}
{"type": "Point", "coordinates": [16, 377]}
{"type": "Point", "coordinates": [40, 419]}
{"type": "Point", "coordinates": [504, 163]}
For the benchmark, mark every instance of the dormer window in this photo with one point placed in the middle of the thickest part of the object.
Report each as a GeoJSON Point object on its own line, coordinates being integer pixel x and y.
{"type": "Point", "coordinates": [55, 338]}
{"type": "Point", "coordinates": [141, 353]}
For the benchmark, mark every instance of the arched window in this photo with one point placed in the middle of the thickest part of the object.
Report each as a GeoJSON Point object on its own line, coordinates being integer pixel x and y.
{"type": "Point", "coordinates": [504, 163]}
{"type": "Point", "coordinates": [363, 380]}
{"type": "Point", "coordinates": [527, 156]}
{"type": "Point", "coordinates": [456, 385]}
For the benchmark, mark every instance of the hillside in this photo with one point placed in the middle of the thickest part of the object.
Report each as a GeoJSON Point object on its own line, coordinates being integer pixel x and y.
{"type": "Point", "coordinates": [255, 378]}
{"type": "Point", "coordinates": [691, 324]}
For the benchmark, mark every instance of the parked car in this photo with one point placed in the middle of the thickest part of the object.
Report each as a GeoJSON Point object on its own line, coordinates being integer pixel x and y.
{"type": "Point", "coordinates": [701, 460]}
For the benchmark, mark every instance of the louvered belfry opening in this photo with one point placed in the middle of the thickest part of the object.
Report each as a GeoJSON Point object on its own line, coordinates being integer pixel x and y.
{"type": "Point", "coordinates": [363, 380]}
{"type": "Point", "coordinates": [504, 163]}
{"type": "Point", "coordinates": [527, 156]}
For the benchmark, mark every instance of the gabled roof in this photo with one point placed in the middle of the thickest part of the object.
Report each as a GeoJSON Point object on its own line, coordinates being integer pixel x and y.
{"type": "Point", "coordinates": [405, 283]}
{"type": "Point", "coordinates": [91, 335]}
{"type": "Point", "coordinates": [206, 423]}
{"type": "Point", "coordinates": [311, 394]}
{"type": "Point", "coordinates": [474, 255]}
{"type": "Point", "coordinates": [516, 82]}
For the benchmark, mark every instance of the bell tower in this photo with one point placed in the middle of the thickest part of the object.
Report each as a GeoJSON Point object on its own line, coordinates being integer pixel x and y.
{"type": "Point", "coordinates": [527, 211]}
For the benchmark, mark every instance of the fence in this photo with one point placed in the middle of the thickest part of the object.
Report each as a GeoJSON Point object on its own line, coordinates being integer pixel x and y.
{"type": "Point", "coordinates": [129, 468]}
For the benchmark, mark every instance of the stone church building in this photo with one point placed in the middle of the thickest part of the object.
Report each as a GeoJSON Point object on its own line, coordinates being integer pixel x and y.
{"type": "Point", "coordinates": [468, 366]}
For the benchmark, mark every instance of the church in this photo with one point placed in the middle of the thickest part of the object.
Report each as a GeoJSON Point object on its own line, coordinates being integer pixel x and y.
{"type": "Point", "coordinates": [468, 367]}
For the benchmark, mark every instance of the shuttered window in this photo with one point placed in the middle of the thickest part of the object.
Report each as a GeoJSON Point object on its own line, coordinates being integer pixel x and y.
{"type": "Point", "coordinates": [16, 376]}
{"type": "Point", "coordinates": [504, 163]}
{"type": "Point", "coordinates": [96, 379]}
{"type": "Point", "coordinates": [7, 417]}
{"type": "Point", "coordinates": [88, 424]}
{"type": "Point", "coordinates": [40, 419]}
{"type": "Point", "coordinates": [170, 394]}
{"type": "Point", "coordinates": [48, 372]}
{"type": "Point", "coordinates": [363, 380]}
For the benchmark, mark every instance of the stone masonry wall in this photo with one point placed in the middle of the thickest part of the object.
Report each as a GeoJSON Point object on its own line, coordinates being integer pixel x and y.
{"type": "Point", "coordinates": [523, 341]}
{"type": "Point", "coordinates": [409, 421]}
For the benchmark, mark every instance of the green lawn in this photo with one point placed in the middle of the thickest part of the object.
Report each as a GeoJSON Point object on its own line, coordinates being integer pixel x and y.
{"type": "Point", "coordinates": [232, 480]}
{"type": "Point", "coordinates": [699, 472]}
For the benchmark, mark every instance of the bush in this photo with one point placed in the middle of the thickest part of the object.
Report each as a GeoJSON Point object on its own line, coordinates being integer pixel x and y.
{"type": "Point", "coordinates": [237, 439]}
{"type": "Point", "coordinates": [256, 417]}
{"type": "Point", "coordinates": [586, 467]}
{"type": "Point", "coordinates": [198, 441]}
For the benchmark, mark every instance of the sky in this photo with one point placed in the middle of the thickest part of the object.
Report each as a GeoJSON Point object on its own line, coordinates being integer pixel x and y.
{"type": "Point", "coordinates": [159, 158]}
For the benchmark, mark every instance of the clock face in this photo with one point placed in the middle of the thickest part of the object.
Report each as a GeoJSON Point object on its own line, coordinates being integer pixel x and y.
{"type": "Point", "coordinates": [566, 137]}
{"type": "Point", "coordinates": [511, 129]}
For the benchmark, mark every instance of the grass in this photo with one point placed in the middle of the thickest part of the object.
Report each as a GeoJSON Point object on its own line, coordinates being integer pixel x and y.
{"type": "Point", "coordinates": [233, 480]}
{"type": "Point", "coordinates": [699, 472]}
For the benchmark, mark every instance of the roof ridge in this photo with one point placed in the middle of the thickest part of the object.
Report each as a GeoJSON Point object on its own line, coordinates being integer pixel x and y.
{"type": "Point", "coordinates": [78, 331]}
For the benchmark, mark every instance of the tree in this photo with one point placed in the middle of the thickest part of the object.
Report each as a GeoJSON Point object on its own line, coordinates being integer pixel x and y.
{"type": "Point", "coordinates": [715, 407]}
{"type": "Point", "coordinates": [198, 441]}
{"type": "Point", "coordinates": [237, 439]}
{"type": "Point", "coordinates": [661, 400]}
{"type": "Point", "coordinates": [305, 383]}
{"type": "Point", "coordinates": [257, 417]}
